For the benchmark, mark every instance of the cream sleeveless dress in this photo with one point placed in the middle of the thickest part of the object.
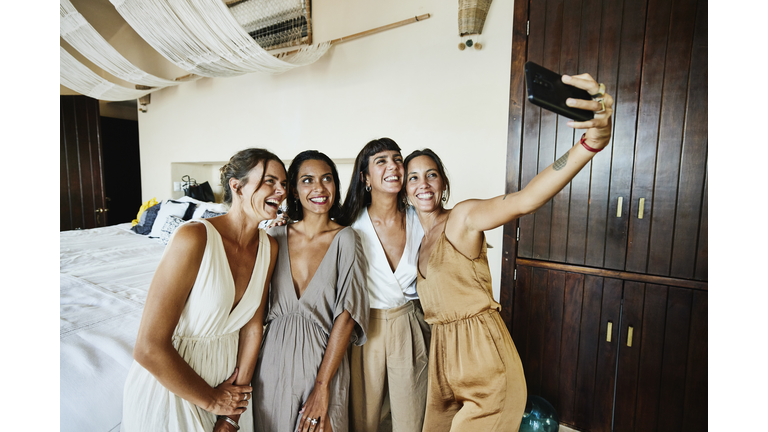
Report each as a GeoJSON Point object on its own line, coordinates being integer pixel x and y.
{"type": "Point", "coordinates": [206, 337]}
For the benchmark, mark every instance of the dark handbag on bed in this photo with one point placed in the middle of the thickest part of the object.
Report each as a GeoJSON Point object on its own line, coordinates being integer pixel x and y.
{"type": "Point", "coordinates": [201, 192]}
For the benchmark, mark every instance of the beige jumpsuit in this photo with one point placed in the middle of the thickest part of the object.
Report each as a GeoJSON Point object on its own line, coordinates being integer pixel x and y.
{"type": "Point", "coordinates": [476, 380]}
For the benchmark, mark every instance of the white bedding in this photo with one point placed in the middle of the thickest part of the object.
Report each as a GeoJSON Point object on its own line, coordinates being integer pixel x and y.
{"type": "Point", "coordinates": [105, 274]}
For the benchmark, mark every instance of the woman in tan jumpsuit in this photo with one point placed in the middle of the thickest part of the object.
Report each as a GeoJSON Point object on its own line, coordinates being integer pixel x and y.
{"type": "Point", "coordinates": [476, 380]}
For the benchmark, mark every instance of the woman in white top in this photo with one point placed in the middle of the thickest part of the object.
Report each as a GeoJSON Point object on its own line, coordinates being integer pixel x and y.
{"type": "Point", "coordinates": [201, 328]}
{"type": "Point", "coordinates": [389, 372]}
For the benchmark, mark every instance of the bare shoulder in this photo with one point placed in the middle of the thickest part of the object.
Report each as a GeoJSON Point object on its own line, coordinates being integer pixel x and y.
{"type": "Point", "coordinates": [189, 238]}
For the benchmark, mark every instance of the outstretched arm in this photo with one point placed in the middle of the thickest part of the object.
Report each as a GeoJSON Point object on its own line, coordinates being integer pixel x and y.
{"type": "Point", "coordinates": [476, 216]}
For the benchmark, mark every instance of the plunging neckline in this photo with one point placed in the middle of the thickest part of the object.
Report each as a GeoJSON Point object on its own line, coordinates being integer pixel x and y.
{"type": "Point", "coordinates": [312, 279]}
{"type": "Point", "coordinates": [229, 268]}
{"type": "Point", "coordinates": [381, 246]}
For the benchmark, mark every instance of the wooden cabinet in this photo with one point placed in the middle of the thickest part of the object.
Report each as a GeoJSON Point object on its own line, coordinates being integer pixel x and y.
{"type": "Point", "coordinates": [572, 331]}
{"type": "Point", "coordinates": [640, 205]}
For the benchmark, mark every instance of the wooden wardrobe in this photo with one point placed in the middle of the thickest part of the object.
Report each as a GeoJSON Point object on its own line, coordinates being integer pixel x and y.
{"type": "Point", "coordinates": [604, 289]}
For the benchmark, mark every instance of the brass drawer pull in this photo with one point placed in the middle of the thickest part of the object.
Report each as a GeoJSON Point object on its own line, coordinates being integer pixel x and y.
{"type": "Point", "coordinates": [609, 332]}
{"type": "Point", "coordinates": [618, 211]}
{"type": "Point", "coordinates": [642, 206]}
{"type": "Point", "coordinates": [629, 336]}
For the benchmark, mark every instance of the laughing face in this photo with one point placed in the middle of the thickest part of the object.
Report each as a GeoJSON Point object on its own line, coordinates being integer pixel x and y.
{"type": "Point", "coordinates": [385, 172]}
{"type": "Point", "coordinates": [265, 199]}
{"type": "Point", "coordinates": [425, 186]}
{"type": "Point", "coordinates": [315, 187]}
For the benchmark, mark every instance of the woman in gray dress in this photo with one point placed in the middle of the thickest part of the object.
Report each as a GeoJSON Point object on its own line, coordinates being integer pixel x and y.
{"type": "Point", "coordinates": [318, 306]}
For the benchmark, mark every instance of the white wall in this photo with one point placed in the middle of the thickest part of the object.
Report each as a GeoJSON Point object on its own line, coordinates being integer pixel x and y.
{"type": "Point", "coordinates": [411, 84]}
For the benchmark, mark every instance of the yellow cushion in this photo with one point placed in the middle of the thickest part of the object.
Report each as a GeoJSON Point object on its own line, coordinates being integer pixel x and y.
{"type": "Point", "coordinates": [143, 208]}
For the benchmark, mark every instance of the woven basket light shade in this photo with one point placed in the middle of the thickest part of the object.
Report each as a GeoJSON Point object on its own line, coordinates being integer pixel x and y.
{"type": "Point", "coordinates": [472, 15]}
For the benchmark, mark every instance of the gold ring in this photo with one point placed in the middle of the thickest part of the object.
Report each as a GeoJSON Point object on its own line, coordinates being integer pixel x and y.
{"type": "Point", "coordinates": [600, 92]}
{"type": "Point", "coordinates": [602, 106]}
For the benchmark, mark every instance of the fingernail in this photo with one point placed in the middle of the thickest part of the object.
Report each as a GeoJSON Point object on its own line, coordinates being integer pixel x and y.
{"type": "Point", "coordinates": [569, 101]}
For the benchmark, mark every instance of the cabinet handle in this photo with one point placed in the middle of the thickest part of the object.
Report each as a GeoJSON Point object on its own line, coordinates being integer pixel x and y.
{"type": "Point", "coordinates": [618, 211]}
{"type": "Point", "coordinates": [609, 332]}
{"type": "Point", "coordinates": [642, 206]}
{"type": "Point", "coordinates": [629, 336]}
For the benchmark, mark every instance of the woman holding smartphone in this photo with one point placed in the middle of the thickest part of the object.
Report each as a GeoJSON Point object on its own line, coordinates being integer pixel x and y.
{"type": "Point", "coordinates": [476, 377]}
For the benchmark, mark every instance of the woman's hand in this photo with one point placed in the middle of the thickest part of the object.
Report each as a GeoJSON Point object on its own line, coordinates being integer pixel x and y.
{"type": "Point", "coordinates": [316, 408]}
{"type": "Point", "coordinates": [230, 399]}
{"type": "Point", "coordinates": [599, 128]}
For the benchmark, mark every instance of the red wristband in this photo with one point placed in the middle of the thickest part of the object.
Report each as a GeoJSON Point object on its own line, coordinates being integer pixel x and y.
{"type": "Point", "coordinates": [583, 142]}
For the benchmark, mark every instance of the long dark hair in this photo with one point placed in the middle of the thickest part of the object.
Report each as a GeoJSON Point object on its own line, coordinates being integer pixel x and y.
{"type": "Point", "coordinates": [241, 164]}
{"type": "Point", "coordinates": [294, 209]}
{"type": "Point", "coordinates": [440, 168]}
{"type": "Point", "coordinates": [357, 197]}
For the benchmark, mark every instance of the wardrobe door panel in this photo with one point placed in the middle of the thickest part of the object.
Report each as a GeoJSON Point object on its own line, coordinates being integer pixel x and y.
{"type": "Point", "coordinates": [696, 396]}
{"type": "Point", "coordinates": [671, 129]}
{"type": "Point", "coordinates": [589, 345]}
{"type": "Point", "coordinates": [626, 94]}
{"type": "Point", "coordinates": [674, 360]}
{"type": "Point", "coordinates": [651, 357]}
{"type": "Point", "coordinates": [569, 350]}
{"type": "Point", "coordinates": [602, 411]}
{"type": "Point", "coordinates": [629, 356]}
{"type": "Point", "coordinates": [693, 163]}
{"type": "Point", "coordinates": [651, 91]}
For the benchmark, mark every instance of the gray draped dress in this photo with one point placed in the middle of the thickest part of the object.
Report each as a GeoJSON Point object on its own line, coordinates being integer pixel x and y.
{"type": "Point", "coordinates": [298, 330]}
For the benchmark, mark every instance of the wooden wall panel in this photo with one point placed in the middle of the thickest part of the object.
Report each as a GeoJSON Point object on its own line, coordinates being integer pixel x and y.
{"type": "Point", "coordinates": [522, 307]}
{"type": "Point", "coordinates": [537, 323]}
{"type": "Point", "coordinates": [694, 157]}
{"type": "Point", "coordinates": [671, 130]}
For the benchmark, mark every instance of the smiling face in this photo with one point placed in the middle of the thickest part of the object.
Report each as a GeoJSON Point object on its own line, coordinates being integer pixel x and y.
{"type": "Point", "coordinates": [264, 199]}
{"type": "Point", "coordinates": [385, 172]}
{"type": "Point", "coordinates": [424, 184]}
{"type": "Point", "coordinates": [315, 187]}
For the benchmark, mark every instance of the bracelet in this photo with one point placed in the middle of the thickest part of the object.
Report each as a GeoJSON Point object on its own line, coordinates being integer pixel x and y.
{"type": "Point", "coordinates": [230, 421]}
{"type": "Point", "coordinates": [583, 142]}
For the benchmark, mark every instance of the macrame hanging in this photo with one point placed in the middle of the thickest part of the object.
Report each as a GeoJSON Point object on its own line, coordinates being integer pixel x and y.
{"type": "Point", "coordinates": [87, 41]}
{"type": "Point", "coordinates": [203, 38]}
{"type": "Point", "coordinates": [274, 24]}
{"type": "Point", "coordinates": [76, 76]}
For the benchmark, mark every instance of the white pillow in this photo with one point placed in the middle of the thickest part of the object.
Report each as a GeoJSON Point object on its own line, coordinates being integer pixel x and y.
{"type": "Point", "coordinates": [213, 207]}
{"type": "Point", "coordinates": [166, 209]}
{"type": "Point", "coordinates": [170, 226]}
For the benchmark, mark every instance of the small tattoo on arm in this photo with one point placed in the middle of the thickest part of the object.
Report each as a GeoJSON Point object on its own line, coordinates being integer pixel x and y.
{"type": "Point", "coordinates": [560, 163]}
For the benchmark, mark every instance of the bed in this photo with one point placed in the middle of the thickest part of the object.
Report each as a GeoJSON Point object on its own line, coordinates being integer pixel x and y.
{"type": "Point", "coordinates": [104, 277]}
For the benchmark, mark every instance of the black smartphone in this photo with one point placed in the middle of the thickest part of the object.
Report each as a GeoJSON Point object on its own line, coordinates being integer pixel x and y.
{"type": "Point", "coordinates": [547, 90]}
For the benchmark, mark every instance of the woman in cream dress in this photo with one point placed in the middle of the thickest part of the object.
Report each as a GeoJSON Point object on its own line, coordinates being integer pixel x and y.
{"type": "Point", "coordinates": [201, 328]}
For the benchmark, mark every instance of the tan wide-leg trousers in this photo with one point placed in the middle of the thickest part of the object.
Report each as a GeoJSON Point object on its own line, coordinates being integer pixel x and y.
{"type": "Point", "coordinates": [392, 364]}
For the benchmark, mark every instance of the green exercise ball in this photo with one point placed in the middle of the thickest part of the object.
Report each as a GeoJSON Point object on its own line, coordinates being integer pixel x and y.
{"type": "Point", "coordinates": [539, 416]}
